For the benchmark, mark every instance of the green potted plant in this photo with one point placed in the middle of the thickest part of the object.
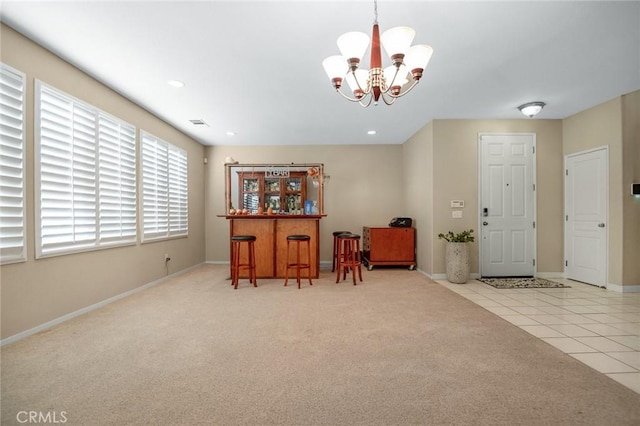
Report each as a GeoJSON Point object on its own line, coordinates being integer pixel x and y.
{"type": "Point", "coordinates": [457, 256]}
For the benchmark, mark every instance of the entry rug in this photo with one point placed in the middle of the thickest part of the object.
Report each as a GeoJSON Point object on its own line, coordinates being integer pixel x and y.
{"type": "Point", "coordinates": [522, 283]}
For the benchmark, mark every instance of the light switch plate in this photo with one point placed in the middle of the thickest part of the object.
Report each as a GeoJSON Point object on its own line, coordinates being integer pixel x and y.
{"type": "Point", "coordinates": [456, 214]}
{"type": "Point", "coordinates": [457, 203]}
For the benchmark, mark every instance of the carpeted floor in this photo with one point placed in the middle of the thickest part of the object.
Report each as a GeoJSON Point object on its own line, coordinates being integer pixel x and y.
{"type": "Point", "coordinates": [397, 349]}
{"type": "Point", "coordinates": [522, 283]}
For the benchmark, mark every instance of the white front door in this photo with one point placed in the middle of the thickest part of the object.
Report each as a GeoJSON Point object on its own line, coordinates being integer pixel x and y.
{"type": "Point", "coordinates": [507, 205]}
{"type": "Point", "coordinates": [586, 205]}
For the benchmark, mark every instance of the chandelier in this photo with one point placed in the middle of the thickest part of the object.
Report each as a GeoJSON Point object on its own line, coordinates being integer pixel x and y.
{"type": "Point", "coordinates": [371, 85]}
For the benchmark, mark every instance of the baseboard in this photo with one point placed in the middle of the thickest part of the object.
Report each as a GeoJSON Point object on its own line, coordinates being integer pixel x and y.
{"type": "Point", "coordinates": [326, 265]}
{"type": "Point", "coordinates": [623, 288]}
{"type": "Point", "coordinates": [420, 271]}
{"type": "Point", "coordinates": [217, 262]}
{"type": "Point", "coordinates": [88, 309]}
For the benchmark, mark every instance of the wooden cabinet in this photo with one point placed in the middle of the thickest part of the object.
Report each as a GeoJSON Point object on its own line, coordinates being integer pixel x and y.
{"type": "Point", "coordinates": [282, 194]}
{"type": "Point", "coordinates": [389, 246]}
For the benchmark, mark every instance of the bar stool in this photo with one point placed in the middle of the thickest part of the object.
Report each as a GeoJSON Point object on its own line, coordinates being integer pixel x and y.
{"type": "Point", "coordinates": [334, 262]}
{"type": "Point", "coordinates": [236, 266]}
{"type": "Point", "coordinates": [299, 239]}
{"type": "Point", "coordinates": [349, 256]}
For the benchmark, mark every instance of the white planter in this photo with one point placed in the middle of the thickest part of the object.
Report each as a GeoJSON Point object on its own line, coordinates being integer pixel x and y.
{"type": "Point", "coordinates": [458, 262]}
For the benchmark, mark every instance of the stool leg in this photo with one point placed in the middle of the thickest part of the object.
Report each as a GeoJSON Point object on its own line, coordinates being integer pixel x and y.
{"type": "Point", "coordinates": [286, 274]}
{"type": "Point", "coordinates": [355, 259]}
{"type": "Point", "coordinates": [309, 261]}
{"type": "Point", "coordinates": [338, 259]}
{"type": "Point", "coordinates": [347, 256]}
{"type": "Point", "coordinates": [231, 261]}
{"type": "Point", "coordinates": [236, 265]}
{"type": "Point", "coordinates": [298, 263]}
{"type": "Point", "coordinates": [252, 264]}
{"type": "Point", "coordinates": [352, 259]}
{"type": "Point", "coordinates": [353, 262]}
{"type": "Point", "coordinates": [359, 260]}
{"type": "Point", "coordinates": [335, 254]}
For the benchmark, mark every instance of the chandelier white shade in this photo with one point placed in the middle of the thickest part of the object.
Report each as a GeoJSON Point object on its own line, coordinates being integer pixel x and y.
{"type": "Point", "coordinates": [367, 86]}
{"type": "Point", "coordinates": [531, 109]}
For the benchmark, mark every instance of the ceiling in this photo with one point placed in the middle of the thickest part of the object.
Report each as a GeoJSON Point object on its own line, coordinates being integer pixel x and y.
{"type": "Point", "coordinates": [255, 68]}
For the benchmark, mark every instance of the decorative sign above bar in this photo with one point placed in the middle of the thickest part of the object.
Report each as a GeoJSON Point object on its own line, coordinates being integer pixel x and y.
{"type": "Point", "coordinates": [277, 172]}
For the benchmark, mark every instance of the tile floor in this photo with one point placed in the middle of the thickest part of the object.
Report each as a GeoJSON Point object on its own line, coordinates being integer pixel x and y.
{"type": "Point", "coordinates": [598, 327]}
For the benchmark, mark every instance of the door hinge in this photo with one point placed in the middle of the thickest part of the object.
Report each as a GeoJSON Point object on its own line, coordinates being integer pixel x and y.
{"type": "Point", "coordinates": [534, 262]}
{"type": "Point", "coordinates": [566, 263]}
{"type": "Point", "coordinates": [533, 149]}
{"type": "Point", "coordinates": [566, 172]}
{"type": "Point", "coordinates": [566, 218]}
{"type": "Point", "coordinates": [534, 225]}
{"type": "Point", "coordinates": [534, 186]}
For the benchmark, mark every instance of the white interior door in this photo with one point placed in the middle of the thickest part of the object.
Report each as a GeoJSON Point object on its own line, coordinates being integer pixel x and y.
{"type": "Point", "coordinates": [586, 206]}
{"type": "Point", "coordinates": [507, 205]}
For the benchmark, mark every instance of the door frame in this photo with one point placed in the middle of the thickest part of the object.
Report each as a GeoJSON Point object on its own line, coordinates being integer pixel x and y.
{"type": "Point", "coordinates": [534, 213]}
{"type": "Point", "coordinates": [604, 148]}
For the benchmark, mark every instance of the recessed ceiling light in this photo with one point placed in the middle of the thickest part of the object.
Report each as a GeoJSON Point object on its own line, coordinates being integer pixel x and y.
{"type": "Point", "coordinates": [371, 132]}
{"type": "Point", "coordinates": [175, 83]}
{"type": "Point", "coordinates": [231, 133]}
{"type": "Point", "coordinates": [199, 122]}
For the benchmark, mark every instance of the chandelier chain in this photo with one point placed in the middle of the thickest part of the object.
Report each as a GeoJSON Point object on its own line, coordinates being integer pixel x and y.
{"type": "Point", "coordinates": [375, 11]}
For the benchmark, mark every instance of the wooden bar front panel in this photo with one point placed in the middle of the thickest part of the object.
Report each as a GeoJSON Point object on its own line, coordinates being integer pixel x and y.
{"type": "Point", "coordinates": [264, 230]}
{"type": "Point", "coordinates": [297, 227]}
{"type": "Point", "coordinates": [271, 243]}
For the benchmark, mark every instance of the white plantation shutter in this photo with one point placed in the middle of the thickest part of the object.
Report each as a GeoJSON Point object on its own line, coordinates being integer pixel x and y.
{"type": "Point", "coordinates": [85, 188]}
{"type": "Point", "coordinates": [164, 189]}
{"type": "Point", "coordinates": [117, 177]}
{"type": "Point", "coordinates": [12, 174]}
{"type": "Point", "coordinates": [155, 189]}
{"type": "Point", "coordinates": [177, 191]}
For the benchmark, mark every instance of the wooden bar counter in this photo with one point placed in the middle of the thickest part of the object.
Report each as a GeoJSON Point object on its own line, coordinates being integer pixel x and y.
{"type": "Point", "coordinates": [271, 233]}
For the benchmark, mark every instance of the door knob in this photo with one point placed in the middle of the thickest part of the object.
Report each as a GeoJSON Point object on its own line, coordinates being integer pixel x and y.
{"type": "Point", "coordinates": [601, 225]}
{"type": "Point", "coordinates": [485, 223]}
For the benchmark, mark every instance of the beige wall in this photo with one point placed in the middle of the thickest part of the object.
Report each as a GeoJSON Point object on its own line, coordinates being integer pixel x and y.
{"type": "Point", "coordinates": [37, 291]}
{"type": "Point", "coordinates": [593, 128]}
{"type": "Point", "coordinates": [630, 174]}
{"type": "Point", "coordinates": [418, 192]}
{"type": "Point", "coordinates": [364, 189]}
{"type": "Point", "coordinates": [451, 171]}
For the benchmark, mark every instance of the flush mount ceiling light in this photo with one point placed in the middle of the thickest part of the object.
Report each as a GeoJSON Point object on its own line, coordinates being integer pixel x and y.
{"type": "Point", "coordinates": [531, 109]}
{"type": "Point", "coordinates": [375, 83]}
{"type": "Point", "coordinates": [175, 83]}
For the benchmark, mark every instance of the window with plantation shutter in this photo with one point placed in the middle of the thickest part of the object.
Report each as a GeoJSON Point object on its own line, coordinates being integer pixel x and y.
{"type": "Point", "coordinates": [164, 190]}
{"type": "Point", "coordinates": [12, 173]}
{"type": "Point", "coordinates": [85, 176]}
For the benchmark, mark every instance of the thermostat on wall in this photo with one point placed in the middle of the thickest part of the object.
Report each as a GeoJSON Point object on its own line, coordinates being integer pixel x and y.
{"type": "Point", "coordinates": [457, 203]}
{"type": "Point", "coordinates": [635, 189]}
